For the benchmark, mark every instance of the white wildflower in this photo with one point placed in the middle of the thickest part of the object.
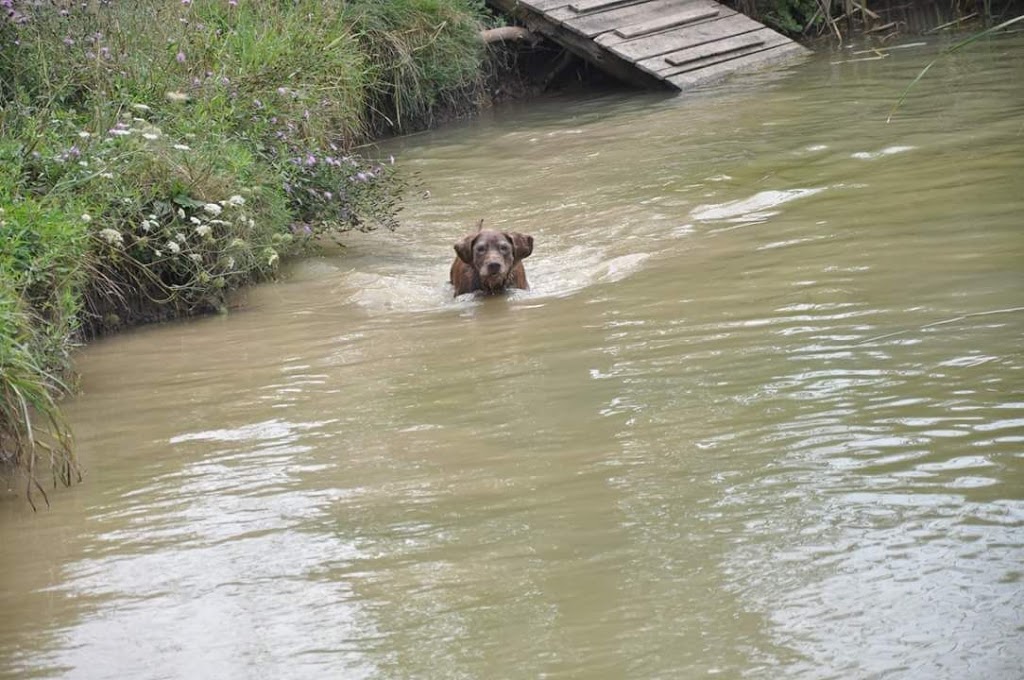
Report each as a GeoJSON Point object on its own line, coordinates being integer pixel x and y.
{"type": "Point", "coordinates": [181, 214]}
{"type": "Point", "coordinates": [176, 97]}
{"type": "Point", "coordinates": [158, 253]}
{"type": "Point", "coordinates": [150, 135]}
{"type": "Point", "coordinates": [118, 132]}
{"type": "Point", "coordinates": [195, 257]}
{"type": "Point", "coordinates": [272, 257]}
{"type": "Point", "coordinates": [112, 236]}
{"type": "Point", "coordinates": [140, 107]}
{"type": "Point", "coordinates": [147, 225]}
{"type": "Point", "coordinates": [84, 135]}
{"type": "Point", "coordinates": [151, 216]}
{"type": "Point", "coordinates": [173, 247]}
{"type": "Point", "coordinates": [195, 220]}
{"type": "Point", "coordinates": [229, 263]}
{"type": "Point", "coordinates": [212, 208]}
{"type": "Point", "coordinates": [107, 175]}
{"type": "Point", "coordinates": [252, 223]}
{"type": "Point", "coordinates": [220, 222]}
{"type": "Point", "coordinates": [86, 217]}
{"type": "Point", "coordinates": [236, 201]}
{"type": "Point", "coordinates": [203, 230]}
{"type": "Point", "coordinates": [180, 237]}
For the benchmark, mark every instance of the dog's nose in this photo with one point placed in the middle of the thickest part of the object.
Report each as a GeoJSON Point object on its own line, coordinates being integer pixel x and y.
{"type": "Point", "coordinates": [493, 267]}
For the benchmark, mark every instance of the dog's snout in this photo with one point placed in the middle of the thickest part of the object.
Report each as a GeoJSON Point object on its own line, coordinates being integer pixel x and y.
{"type": "Point", "coordinates": [493, 267]}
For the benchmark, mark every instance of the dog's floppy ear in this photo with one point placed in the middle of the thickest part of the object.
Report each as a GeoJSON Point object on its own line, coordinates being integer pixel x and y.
{"type": "Point", "coordinates": [464, 248]}
{"type": "Point", "coordinates": [522, 244]}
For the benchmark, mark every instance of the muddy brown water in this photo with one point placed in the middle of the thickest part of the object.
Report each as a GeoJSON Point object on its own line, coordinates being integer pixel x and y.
{"type": "Point", "coordinates": [761, 416]}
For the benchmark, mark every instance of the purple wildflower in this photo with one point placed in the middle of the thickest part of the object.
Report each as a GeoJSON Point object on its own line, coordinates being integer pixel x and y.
{"type": "Point", "coordinates": [180, 57]}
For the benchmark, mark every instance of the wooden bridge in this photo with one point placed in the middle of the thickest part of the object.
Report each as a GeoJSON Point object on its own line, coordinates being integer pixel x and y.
{"type": "Point", "coordinates": [655, 43]}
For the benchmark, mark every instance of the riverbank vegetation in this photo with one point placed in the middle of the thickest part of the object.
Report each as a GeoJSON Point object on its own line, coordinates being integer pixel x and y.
{"type": "Point", "coordinates": [838, 20]}
{"type": "Point", "coordinates": [155, 155]}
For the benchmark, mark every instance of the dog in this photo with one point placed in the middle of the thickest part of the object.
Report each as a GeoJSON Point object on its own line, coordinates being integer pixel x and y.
{"type": "Point", "coordinates": [490, 262]}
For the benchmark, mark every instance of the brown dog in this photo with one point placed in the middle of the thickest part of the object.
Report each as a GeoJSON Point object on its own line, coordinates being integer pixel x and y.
{"type": "Point", "coordinates": [490, 261]}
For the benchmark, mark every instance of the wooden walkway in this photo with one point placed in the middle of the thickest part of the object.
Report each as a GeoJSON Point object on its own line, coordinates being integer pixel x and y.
{"type": "Point", "coordinates": [655, 43]}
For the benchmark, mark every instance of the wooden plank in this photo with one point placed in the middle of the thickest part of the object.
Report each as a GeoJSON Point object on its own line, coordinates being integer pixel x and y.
{"type": "Point", "coordinates": [545, 5]}
{"type": "Point", "coordinates": [665, 23]}
{"type": "Point", "coordinates": [684, 37]}
{"type": "Point", "coordinates": [588, 6]}
{"type": "Point", "coordinates": [712, 52]}
{"type": "Point", "coordinates": [758, 60]}
{"type": "Point", "coordinates": [654, 43]}
{"type": "Point", "coordinates": [587, 49]}
{"type": "Point", "coordinates": [592, 25]}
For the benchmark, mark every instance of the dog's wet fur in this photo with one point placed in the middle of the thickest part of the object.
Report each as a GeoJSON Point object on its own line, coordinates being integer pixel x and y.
{"type": "Point", "coordinates": [490, 262]}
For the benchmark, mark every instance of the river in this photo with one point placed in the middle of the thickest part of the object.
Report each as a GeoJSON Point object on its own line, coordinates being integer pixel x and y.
{"type": "Point", "coordinates": [761, 414]}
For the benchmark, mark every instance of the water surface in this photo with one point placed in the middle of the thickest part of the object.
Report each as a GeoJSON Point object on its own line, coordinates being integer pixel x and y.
{"type": "Point", "coordinates": [761, 416]}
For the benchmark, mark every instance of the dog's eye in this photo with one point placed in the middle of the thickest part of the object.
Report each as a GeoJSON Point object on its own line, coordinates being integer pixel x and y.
{"type": "Point", "coordinates": [481, 248]}
{"type": "Point", "coordinates": [504, 247]}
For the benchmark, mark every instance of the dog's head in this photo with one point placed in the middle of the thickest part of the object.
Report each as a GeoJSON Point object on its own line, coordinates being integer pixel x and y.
{"type": "Point", "coordinates": [492, 254]}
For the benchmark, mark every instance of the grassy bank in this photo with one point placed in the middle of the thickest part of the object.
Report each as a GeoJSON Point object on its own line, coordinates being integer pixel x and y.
{"type": "Point", "coordinates": [156, 154]}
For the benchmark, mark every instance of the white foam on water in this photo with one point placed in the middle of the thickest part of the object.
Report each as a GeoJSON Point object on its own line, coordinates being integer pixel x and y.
{"type": "Point", "coordinates": [758, 208]}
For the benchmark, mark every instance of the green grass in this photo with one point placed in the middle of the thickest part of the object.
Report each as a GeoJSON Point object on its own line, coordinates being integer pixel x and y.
{"type": "Point", "coordinates": [156, 154]}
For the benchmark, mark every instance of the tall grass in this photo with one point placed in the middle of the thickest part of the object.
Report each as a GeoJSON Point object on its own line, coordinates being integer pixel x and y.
{"type": "Point", "coordinates": [155, 154]}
